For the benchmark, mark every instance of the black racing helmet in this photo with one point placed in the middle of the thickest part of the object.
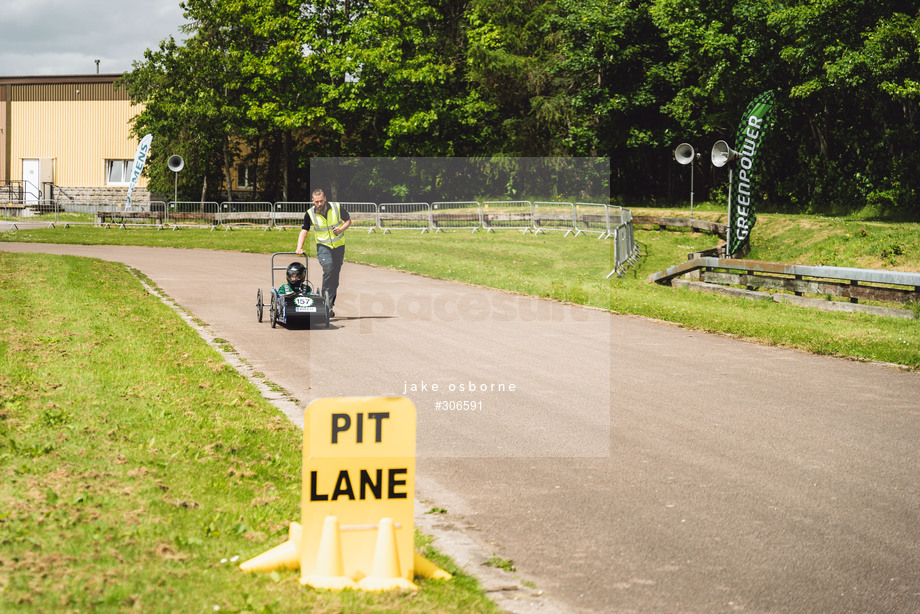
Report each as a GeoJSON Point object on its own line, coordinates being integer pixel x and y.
{"type": "Point", "coordinates": [296, 274]}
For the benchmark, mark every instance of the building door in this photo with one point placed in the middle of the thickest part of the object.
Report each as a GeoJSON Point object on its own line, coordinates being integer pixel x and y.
{"type": "Point", "coordinates": [31, 192]}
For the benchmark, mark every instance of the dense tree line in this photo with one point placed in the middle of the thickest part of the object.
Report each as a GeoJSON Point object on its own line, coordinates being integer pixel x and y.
{"type": "Point", "coordinates": [271, 84]}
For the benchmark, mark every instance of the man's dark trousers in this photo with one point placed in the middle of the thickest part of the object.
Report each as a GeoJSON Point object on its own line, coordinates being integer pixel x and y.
{"type": "Point", "coordinates": [331, 260]}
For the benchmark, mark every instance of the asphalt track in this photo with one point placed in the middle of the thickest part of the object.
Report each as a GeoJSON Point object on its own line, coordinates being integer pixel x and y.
{"type": "Point", "coordinates": [635, 466]}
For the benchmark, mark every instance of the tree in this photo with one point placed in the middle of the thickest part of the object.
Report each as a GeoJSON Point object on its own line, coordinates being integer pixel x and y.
{"type": "Point", "coordinates": [510, 52]}
{"type": "Point", "coordinates": [398, 86]}
{"type": "Point", "coordinates": [188, 102]}
{"type": "Point", "coordinates": [232, 91]}
{"type": "Point", "coordinates": [181, 114]}
{"type": "Point", "coordinates": [277, 91]}
{"type": "Point", "coordinates": [613, 59]}
{"type": "Point", "coordinates": [851, 66]}
{"type": "Point", "coordinates": [273, 83]}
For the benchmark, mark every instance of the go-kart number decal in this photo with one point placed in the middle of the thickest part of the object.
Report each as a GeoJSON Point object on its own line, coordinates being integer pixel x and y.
{"type": "Point", "coordinates": [304, 304]}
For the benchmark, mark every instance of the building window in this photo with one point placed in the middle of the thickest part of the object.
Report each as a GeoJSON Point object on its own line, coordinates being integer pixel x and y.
{"type": "Point", "coordinates": [117, 172]}
{"type": "Point", "coordinates": [246, 176]}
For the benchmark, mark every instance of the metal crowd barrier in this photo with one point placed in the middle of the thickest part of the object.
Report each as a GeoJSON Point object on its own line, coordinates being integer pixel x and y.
{"type": "Point", "coordinates": [13, 210]}
{"type": "Point", "coordinates": [626, 250]}
{"type": "Point", "coordinates": [192, 214]}
{"type": "Point", "coordinates": [572, 218]}
{"type": "Point", "coordinates": [89, 209]}
{"type": "Point", "coordinates": [82, 212]}
{"type": "Point", "coordinates": [593, 218]}
{"type": "Point", "coordinates": [404, 216]}
{"type": "Point", "coordinates": [456, 215]}
{"type": "Point", "coordinates": [289, 214]}
{"type": "Point", "coordinates": [244, 213]}
{"type": "Point", "coordinates": [511, 214]}
{"type": "Point", "coordinates": [554, 216]}
{"type": "Point", "coordinates": [30, 210]}
{"type": "Point", "coordinates": [106, 215]}
{"type": "Point", "coordinates": [363, 215]}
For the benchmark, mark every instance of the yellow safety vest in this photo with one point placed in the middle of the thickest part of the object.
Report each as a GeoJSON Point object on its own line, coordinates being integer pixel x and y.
{"type": "Point", "coordinates": [323, 226]}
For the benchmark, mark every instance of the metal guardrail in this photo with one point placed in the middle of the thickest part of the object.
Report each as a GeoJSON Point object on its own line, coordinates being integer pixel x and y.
{"type": "Point", "coordinates": [854, 284]}
{"type": "Point", "coordinates": [663, 222]}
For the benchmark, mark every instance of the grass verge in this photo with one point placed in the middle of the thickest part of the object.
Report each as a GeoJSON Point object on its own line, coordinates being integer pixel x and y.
{"type": "Point", "coordinates": [574, 270]}
{"type": "Point", "coordinates": [135, 464]}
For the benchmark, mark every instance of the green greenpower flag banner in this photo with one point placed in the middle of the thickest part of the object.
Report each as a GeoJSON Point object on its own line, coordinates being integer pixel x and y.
{"type": "Point", "coordinates": [748, 140]}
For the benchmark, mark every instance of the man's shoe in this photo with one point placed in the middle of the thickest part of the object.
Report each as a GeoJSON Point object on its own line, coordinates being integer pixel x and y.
{"type": "Point", "coordinates": [331, 313]}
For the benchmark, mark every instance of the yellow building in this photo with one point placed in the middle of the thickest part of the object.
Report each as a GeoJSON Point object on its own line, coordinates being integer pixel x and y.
{"type": "Point", "coordinates": [66, 138]}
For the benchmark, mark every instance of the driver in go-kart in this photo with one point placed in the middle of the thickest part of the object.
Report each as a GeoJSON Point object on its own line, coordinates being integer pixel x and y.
{"type": "Point", "coordinates": [296, 277]}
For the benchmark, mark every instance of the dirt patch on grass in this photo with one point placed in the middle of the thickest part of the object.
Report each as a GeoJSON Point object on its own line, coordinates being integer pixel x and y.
{"type": "Point", "coordinates": [187, 504]}
{"type": "Point", "coordinates": [169, 553]}
{"type": "Point", "coordinates": [39, 565]}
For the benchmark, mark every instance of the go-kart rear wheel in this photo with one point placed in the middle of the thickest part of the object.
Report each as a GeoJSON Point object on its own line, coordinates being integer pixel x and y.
{"type": "Point", "coordinates": [273, 311]}
{"type": "Point", "coordinates": [259, 304]}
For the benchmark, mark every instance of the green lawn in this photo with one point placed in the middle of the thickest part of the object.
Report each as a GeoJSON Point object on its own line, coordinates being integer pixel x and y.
{"type": "Point", "coordinates": [135, 465]}
{"type": "Point", "coordinates": [137, 468]}
{"type": "Point", "coordinates": [574, 269]}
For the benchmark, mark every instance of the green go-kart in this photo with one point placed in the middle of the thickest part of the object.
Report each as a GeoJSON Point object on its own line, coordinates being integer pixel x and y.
{"type": "Point", "coordinates": [300, 307]}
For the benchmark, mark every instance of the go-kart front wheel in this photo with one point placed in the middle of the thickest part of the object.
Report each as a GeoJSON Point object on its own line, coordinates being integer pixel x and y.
{"type": "Point", "coordinates": [259, 304]}
{"type": "Point", "coordinates": [273, 311]}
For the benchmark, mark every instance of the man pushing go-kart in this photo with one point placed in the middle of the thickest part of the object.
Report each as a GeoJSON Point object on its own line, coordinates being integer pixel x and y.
{"type": "Point", "coordinates": [329, 221]}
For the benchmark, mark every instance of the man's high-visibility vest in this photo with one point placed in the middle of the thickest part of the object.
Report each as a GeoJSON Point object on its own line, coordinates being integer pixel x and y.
{"type": "Point", "coordinates": [324, 225]}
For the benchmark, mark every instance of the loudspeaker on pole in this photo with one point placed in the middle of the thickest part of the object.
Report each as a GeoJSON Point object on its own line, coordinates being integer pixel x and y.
{"type": "Point", "coordinates": [722, 154]}
{"type": "Point", "coordinates": [684, 153]}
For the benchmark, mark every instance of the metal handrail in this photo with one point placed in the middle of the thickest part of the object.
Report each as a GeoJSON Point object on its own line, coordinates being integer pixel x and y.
{"type": "Point", "coordinates": [846, 282]}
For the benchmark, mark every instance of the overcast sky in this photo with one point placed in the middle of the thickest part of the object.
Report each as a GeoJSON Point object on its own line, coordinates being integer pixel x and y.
{"type": "Point", "coordinates": [66, 37]}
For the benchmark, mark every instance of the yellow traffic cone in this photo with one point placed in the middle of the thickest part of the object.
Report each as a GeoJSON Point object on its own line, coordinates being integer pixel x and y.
{"type": "Point", "coordinates": [426, 569]}
{"type": "Point", "coordinates": [330, 567]}
{"type": "Point", "coordinates": [285, 556]}
{"type": "Point", "coordinates": [385, 574]}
